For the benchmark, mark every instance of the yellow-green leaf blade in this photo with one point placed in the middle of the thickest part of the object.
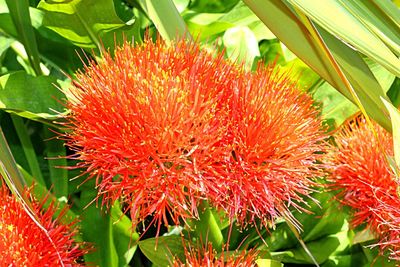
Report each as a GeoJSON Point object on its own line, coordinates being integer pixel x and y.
{"type": "Point", "coordinates": [337, 20]}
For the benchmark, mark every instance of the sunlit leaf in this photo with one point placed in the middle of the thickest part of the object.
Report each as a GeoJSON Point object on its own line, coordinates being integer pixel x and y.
{"type": "Point", "coordinates": [333, 16]}
{"type": "Point", "coordinates": [86, 23]}
{"type": "Point", "coordinates": [19, 11]}
{"type": "Point", "coordinates": [41, 101]}
{"type": "Point", "coordinates": [241, 45]}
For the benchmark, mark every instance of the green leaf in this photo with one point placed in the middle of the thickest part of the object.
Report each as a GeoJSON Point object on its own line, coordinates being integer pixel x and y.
{"type": "Point", "coordinates": [166, 18]}
{"type": "Point", "coordinates": [382, 75]}
{"type": "Point", "coordinates": [304, 42]}
{"type": "Point", "coordinates": [41, 101]}
{"type": "Point", "coordinates": [377, 21]}
{"type": "Point", "coordinates": [96, 228]}
{"type": "Point", "coordinates": [394, 93]}
{"type": "Point", "coordinates": [206, 227]}
{"type": "Point", "coordinates": [353, 259]}
{"type": "Point", "coordinates": [27, 146]}
{"type": "Point", "coordinates": [335, 107]}
{"type": "Point", "coordinates": [395, 117]}
{"type": "Point", "coordinates": [5, 43]}
{"type": "Point", "coordinates": [390, 9]}
{"type": "Point", "coordinates": [321, 249]}
{"type": "Point", "coordinates": [241, 45]}
{"type": "Point", "coordinates": [207, 25]}
{"type": "Point", "coordinates": [19, 11]}
{"type": "Point", "coordinates": [215, 6]}
{"type": "Point", "coordinates": [268, 263]}
{"type": "Point", "coordinates": [57, 161]}
{"type": "Point", "coordinates": [86, 23]}
{"type": "Point", "coordinates": [162, 250]}
{"type": "Point", "coordinates": [335, 18]}
{"type": "Point", "coordinates": [124, 239]}
{"type": "Point", "coordinates": [39, 191]}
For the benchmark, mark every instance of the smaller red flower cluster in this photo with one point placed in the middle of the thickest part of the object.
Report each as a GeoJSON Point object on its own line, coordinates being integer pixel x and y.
{"type": "Point", "coordinates": [360, 170]}
{"type": "Point", "coordinates": [207, 257]}
{"type": "Point", "coordinates": [24, 243]}
{"type": "Point", "coordinates": [164, 127]}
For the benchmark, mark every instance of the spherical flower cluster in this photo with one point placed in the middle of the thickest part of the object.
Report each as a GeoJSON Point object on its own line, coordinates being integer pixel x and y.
{"type": "Point", "coordinates": [163, 127]}
{"type": "Point", "coordinates": [208, 257]}
{"type": "Point", "coordinates": [24, 243]}
{"type": "Point", "coordinates": [146, 123]}
{"type": "Point", "coordinates": [361, 172]}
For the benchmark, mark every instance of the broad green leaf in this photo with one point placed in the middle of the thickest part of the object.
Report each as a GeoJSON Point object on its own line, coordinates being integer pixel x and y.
{"type": "Point", "coordinates": [377, 22]}
{"type": "Point", "coordinates": [181, 5]}
{"type": "Point", "coordinates": [36, 16]}
{"type": "Point", "coordinates": [206, 227]}
{"type": "Point", "coordinates": [382, 75]}
{"type": "Point", "coordinates": [19, 11]}
{"type": "Point", "coordinates": [268, 263]}
{"type": "Point", "coordinates": [298, 38]}
{"type": "Point", "coordinates": [39, 191]}
{"type": "Point", "coordinates": [304, 77]}
{"type": "Point", "coordinates": [241, 45]}
{"type": "Point", "coordinates": [364, 83]}
{"type": "Point", "coordinates": [395, 117]}
{"type": "Point", "coordinates": [333, 16]}
{"type": "Point", "coordinates": [353, 259]}
{"type": "Point", "coordinates": [86, 23]}
{"type": "Point", "coordinates": [162, 250]}
{"type": "Point", "coordinates": [96, 228]}
{"type": "Point", "coordinates": [206, 25]}
{"type": "Point", "coordinates": [31, 97]}
{"type": "Point", "coordinates": [166, 18]}
{"type": "Point", "coordinates": [390, 9]}
{"type": "Point", "coordinates": [335, 107]}
{"type": "Point", "coordinates": [124, 239]}
{"type": "Point", "coordinates": [321, 249]}
{"type": "Point", "coordinates": [323, 221]}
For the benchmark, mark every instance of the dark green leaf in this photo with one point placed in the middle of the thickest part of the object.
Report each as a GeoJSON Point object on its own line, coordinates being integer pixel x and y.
{"type": "Point", "coordinates": [96, 228]}
{"type": "Point", "coordinates": [163, 250]}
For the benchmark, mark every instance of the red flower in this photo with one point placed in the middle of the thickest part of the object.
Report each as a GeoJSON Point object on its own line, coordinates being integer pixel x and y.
{"type": "Point", "coordinates": [367, 184]}
{"type": "Point", "coordinates": [145, 123]}
{"type": "Point", "coordinates": [23, 243]}
{"type": "Point", "coordinates": [272, 149]}
{"type": "Point", "coordinates": [207, 257]}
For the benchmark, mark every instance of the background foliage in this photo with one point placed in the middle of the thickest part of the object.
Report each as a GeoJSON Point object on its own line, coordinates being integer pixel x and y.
{"type": "Point", "coordinates": [346, 53]}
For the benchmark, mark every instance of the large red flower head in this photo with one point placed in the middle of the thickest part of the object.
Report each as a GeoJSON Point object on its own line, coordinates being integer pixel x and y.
{"type": "Point", "coordinates": [24, 243]}
{"type": "Point", "coordinates": [145, 123]}
{"type": "Point", "coordinates": [365, 180]}
{"type": "Point", "coordinates": [208, 257]}
{"type": "Point", "coordinates": [273, 145]}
